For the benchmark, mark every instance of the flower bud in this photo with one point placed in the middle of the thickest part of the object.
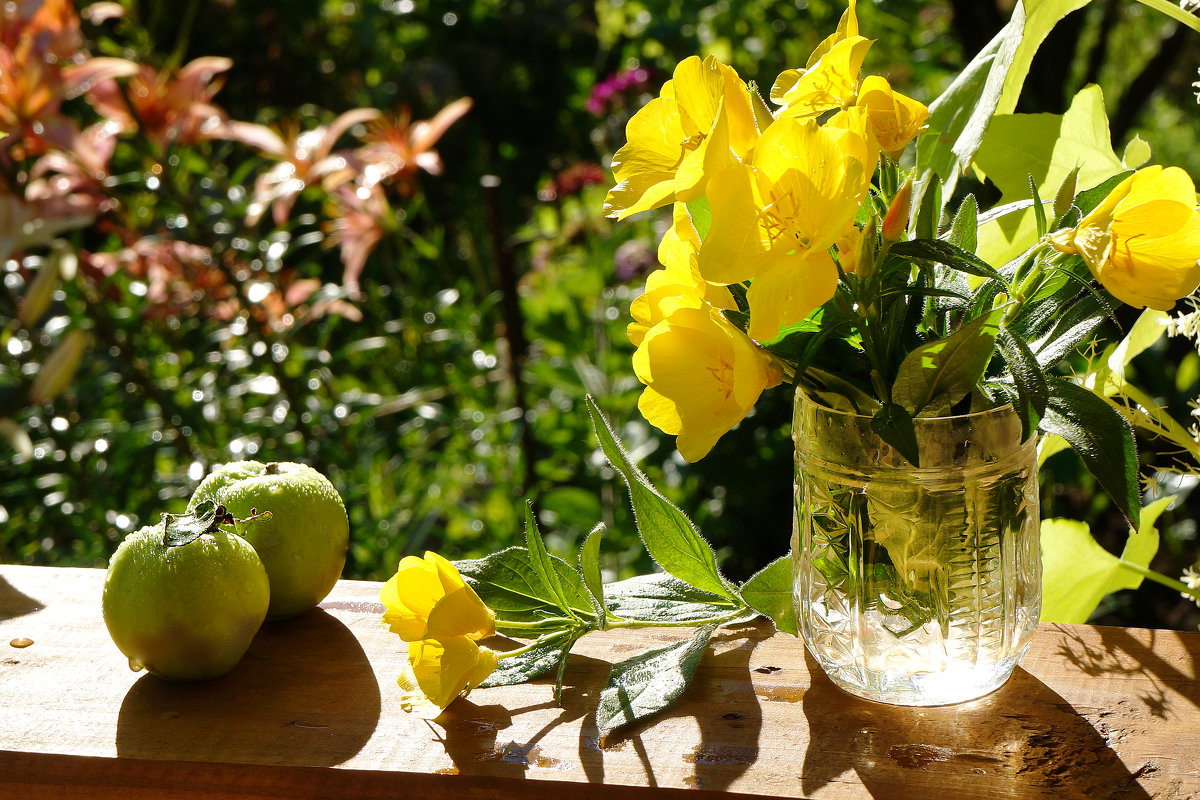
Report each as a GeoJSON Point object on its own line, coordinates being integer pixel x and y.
{"type": "Point", "coordinates": [59, 369]}
{"type": "Point", "coordinates": [895, 222]}
{"type": "Point", "coordinates": [41, 292]}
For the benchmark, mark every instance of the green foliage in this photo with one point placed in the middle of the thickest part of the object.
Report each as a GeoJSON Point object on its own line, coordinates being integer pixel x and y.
{"type": "Point", "coordinates": [1077, 572]}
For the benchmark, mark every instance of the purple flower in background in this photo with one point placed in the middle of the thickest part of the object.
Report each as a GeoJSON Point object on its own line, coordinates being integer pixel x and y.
{"type": "Point", "coordinates": [615, 85]}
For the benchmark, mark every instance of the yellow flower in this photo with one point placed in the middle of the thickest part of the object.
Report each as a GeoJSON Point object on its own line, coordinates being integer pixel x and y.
{"type": "Point", "coordinates": [702, 376]}
{"type": "Point", "coordinates": [830, 83]}
{"type": "Point", "coordinates": [438, 671]}
{"type": "Point", "coordinates": [1142, 243]}
{"type": "Point", "coordinates": [894, 119]}
{"type": "Point", "coordinates": [775, 218]}
{"type": "Point", "coordinates": [701, 122]}
{"type": "Point", "coordinates": [428, 599]}
{"type": "Point", "coordinates": [678, 284]}
{"type": "Point", "coordinates": [847, 28]}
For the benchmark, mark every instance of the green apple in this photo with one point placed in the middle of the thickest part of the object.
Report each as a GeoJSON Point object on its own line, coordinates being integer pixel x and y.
{"type": "Point", "coordinates": [183, 599]}
{"type": "Point", "coordinates": [303, 545]}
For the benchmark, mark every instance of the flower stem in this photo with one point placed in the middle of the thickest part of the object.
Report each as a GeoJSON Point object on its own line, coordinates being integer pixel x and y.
{"type": "Point", "coordinates": [1158, 577]}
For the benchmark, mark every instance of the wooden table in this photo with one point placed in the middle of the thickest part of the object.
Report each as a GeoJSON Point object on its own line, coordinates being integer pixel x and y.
{"type": "Point", "coordinates": [313, 711]}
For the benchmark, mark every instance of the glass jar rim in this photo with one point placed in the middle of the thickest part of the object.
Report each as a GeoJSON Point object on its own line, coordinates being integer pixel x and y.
{"type": "Point", "coordinates": [999, 411]}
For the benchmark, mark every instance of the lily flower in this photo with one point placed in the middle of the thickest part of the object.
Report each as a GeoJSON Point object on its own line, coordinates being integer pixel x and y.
{"type": "Point", "coordinates": [428, 599]}
{"type": "Point", "coordinates": [1143, 242]}
{"type": "Point", "coordinates": [701, 123]}
{"type": "Point", "coordinates": [41, 66]}
{"type": "Point", "coordinates": [169, 108]}
{"type": "Point", "coordinates": [303, 158]}
{"type": "Point", "coordinates": [363, 218]}
{"type": "Point", "coordinates": [775, 218]}
{"type": "Point", "coordinates": [438, 671]}
{"type": "Point", "coordinates": [394, 150]}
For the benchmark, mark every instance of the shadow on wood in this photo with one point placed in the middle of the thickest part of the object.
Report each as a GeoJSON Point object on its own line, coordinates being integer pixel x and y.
{"type": "Point", "coordinates": [304, 694]}
{"type": "Point", "coordinates": [1123, 654]}
{"type": "Point", "coordinates": [13, 603]}
{"type": "Point", "coordinates": [722, 700]}
{"type": "Point", "coordinates": [1026, 739]}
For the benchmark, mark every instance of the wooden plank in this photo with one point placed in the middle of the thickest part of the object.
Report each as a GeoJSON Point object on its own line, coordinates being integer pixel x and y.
{"type": "Point", "coordinates": [1090, 713]}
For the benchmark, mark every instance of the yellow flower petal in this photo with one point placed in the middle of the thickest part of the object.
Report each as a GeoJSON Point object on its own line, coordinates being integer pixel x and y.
{"type": "Point", "coordinates": [830, 83]}
{"type": "Point", "coordinates": [702, 122]}
{"type": "Point", "coordinates": [802, 189]}
{"type": "Point", "coordinates": [895, 120]}
{"type": "Point", "coordinates": [428, 598]}
{"type": "Point", "coordinates": [439, 671]}
{"type": "Point", "coordinates": [702, 374]}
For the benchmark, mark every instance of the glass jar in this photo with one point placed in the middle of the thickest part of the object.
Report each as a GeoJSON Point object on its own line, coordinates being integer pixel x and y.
{"type": "Point", "coordinates": [915, 586]}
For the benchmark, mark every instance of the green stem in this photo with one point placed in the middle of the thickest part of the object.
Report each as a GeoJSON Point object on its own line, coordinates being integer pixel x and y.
{"type": "Point", "coordinates": [1158, 577]}
{"type": "Point", "coordinates": [520, 651]}
{"type": "Point", "coordinates": [618, 622]}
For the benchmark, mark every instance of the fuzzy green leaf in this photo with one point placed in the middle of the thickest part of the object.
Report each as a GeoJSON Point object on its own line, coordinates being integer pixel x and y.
{"type": "Point", "coordinates": [642, 686]}
{"type": "Point", "coordinates": [964, 231]}
{"type": "Point", "coordinates": [1029, 379]}
{"type": "Point", "coordinates": [181, 529]}
{"type": "Point", "coordinates": [532, 663]}
{"type": "Point", "coordinates": [589, 569]}
{"type": "Point", "coordinates": [944, 252]}
{"type": "Point", "coordinates": [506, 584]}
{"type": "Point", "coordinates": [769, 592]}
{"type": "Point", "coordinates": [1101, 436]}
{"type": "Point", "coordinates": [543, 567]}
{"type": "Point", "coordinates": [662, 598]}
{"type": "Point", "coordinates": [669, 536]}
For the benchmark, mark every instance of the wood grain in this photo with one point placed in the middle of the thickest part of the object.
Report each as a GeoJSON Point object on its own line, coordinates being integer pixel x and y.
{"type": "Point", "coordinates": [313, 711]}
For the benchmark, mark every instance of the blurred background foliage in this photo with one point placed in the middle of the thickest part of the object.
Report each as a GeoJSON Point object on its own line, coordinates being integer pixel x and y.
{"type": "Point", "coordinates": [421, 321]}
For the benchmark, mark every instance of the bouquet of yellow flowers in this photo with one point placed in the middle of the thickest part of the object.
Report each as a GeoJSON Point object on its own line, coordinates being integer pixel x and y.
{"type": "Point", "coordinates": [802, 252]}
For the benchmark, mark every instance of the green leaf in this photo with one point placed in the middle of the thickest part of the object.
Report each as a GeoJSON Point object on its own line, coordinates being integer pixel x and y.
{"type": "Point", "coordinates": [181, 529]}
{"type": "Point", "coordinates": [943, 252]}
{"type": "Point", "coordinates": [894, 425]}
{"type": "Point", "coordinates": [1039, 210]}
{"type": "Point", "coordinates": [589, 569]}
{"type": "Point", "coordinates": [701, 214]}
{"type": "Point", "coordinates": [669, 536]}
{"type": "Point", "coordinates": [989, 85]}
{"type": "Point", "coordinates": [642, 686]}
{"type": "Point", "coordinates": [949, 367]}
{"type": "Point", "coordinates": [662, 598]}
{"type": "Point", "coordinates": [964, 231]}
{"type": "Point", "coordinates": [1173, 10]}
{"type": "Point", "coordinates": [539, 559]}
{"type": "Point", "coordinates": [1101, 436]}
{"type": "Point", "coordinates": [534, 662]}
{"type": "Point", "coordinates": [1087, 200]}
{"type": "Point", "coordinates": [1136, 153]}
{"type": "Point", "coordinates": [929, 212]}
{"type": "Point", "coordinates": [506, 584]}
{"type": "Point", "coordinates": [1029, 379]}
{"type": "Point", "coordinates": [769, 592]}
{"type": "Point", "coordinates": [1077, 572]}
{"type": "Point", "coordinates": [1048, 147]}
